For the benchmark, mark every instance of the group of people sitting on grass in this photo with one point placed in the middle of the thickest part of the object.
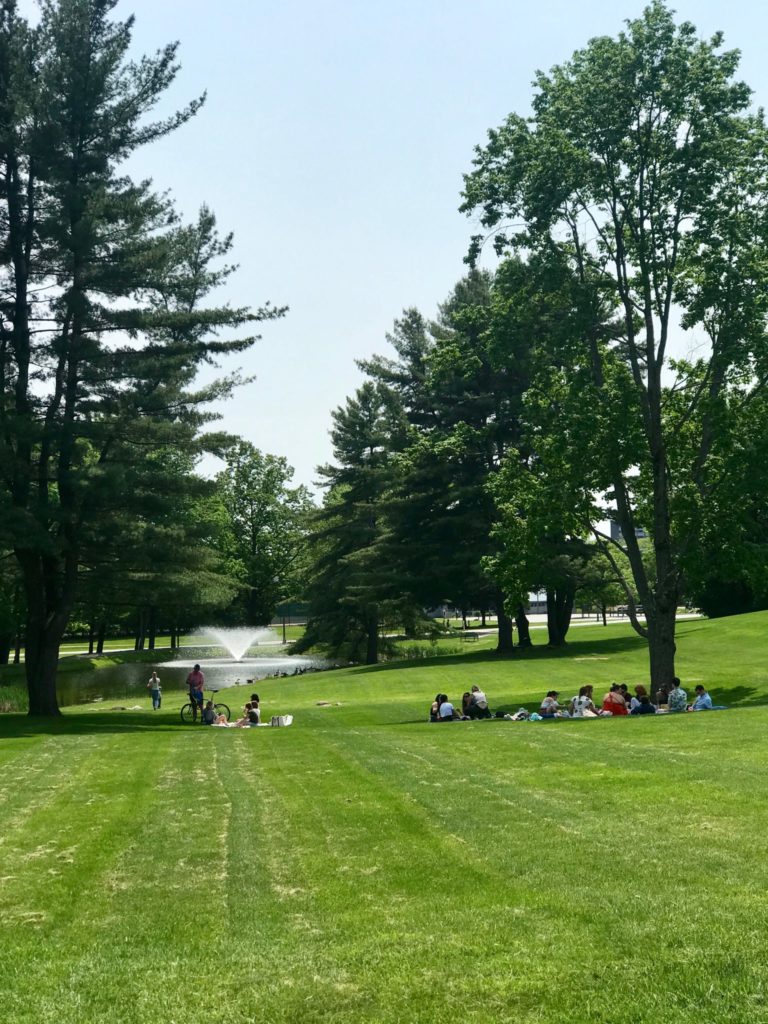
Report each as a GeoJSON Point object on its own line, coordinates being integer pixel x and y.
{"type": "Point", "coordinates": [251, 715]}
{"type": "Point", "coordinates": [617, 701]}
{"type": "Point", "coordinates": [474, 704]}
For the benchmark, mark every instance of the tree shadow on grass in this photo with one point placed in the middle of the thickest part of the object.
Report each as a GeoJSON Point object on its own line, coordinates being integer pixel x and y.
{"type": "Point", "coordinates": [577, 649]}
{"type": "Point", "coordinates": [14, 726]}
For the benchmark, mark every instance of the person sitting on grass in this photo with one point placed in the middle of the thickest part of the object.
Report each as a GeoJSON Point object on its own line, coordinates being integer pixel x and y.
{"type": "Point", "coordinates": [583, 706]}
{"type": "Point", "coordinates": [624, 691]}
{"type": "Point", "coordinates": [434, 711]}
{"type": "Point", "coordinates": [478, 706]}
{"type": "Point", "coordinates": [245, 721]}
{"type": "Point", "coordinates": [663, 692]}
{"type": "Point", "coordinates": [550, 705]}
{"type": "Point", "coordinates": [466, 703]}
{"type": "Point", "coordinates": [254, 714]}
{"type": "Point", "coordinates": [447, 711]}
{"type": "Point", "coordinates": [703, 701]}
{"type": "Point", "coordinates": [643, 706]}
{"type": "Point", "coordinates": [678, 698]}
{"type": "Point", "coordinates": [640, 691]}
{"type": "Point", "coordinates": [208, 714]}
{"type": "Point", "coordinates": [614, 702]}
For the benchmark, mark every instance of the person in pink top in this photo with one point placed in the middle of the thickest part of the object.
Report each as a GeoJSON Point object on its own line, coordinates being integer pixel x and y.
{"type": "Point", "coordinates": [196, 685]}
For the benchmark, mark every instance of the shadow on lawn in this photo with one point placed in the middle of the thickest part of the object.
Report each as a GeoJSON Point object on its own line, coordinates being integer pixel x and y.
{"type": "Point", "coordinates": [577, 649]}
{"type": "Point", "coordinates": [13, 726]}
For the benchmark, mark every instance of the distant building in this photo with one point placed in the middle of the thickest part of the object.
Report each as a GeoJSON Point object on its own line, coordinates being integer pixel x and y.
{"type": "Point", "coordinates": [616, 531]}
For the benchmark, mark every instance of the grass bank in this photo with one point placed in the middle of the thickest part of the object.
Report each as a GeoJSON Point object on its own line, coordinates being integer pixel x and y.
{"type": "Point", "coordinates": [365, 866]}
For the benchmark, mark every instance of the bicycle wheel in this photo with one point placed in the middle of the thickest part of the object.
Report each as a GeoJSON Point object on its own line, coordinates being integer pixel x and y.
{"type": "Point", "coordinates": [222, 709]}
{"type": "Point", "coordinates": [187, 714]}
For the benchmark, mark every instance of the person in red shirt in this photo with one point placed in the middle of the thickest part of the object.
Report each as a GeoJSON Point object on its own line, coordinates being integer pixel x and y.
{"type": "Point", "coordinates": [196, 685]}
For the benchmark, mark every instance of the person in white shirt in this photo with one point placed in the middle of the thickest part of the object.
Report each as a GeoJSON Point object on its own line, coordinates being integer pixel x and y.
{"type": "Point", "coordinates": [478, 705]}
{"type": "Point", "coordinates": [447, 711]}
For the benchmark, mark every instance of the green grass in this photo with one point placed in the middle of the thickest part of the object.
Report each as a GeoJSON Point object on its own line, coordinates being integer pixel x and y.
{"type": "Point", "coordinates": [365, 866]}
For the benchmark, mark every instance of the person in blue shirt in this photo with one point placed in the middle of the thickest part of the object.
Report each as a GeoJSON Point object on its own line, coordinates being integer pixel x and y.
{"type": "Point", "coordinates": [703, 701]}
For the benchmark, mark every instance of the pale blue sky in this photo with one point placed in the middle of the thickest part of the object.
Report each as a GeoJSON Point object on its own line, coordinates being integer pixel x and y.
{"type": "Point", "coordinates": [333, 143]}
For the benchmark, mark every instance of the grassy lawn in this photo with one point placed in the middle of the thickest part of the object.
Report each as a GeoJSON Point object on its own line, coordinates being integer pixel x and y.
{"type": "Point", "coordinates": [367, 866]}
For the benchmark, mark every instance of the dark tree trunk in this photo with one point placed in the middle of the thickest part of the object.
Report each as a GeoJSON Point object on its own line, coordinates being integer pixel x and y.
{"type": "Point", "coordinates": [41, 661]}
{"type": "Point", "coordinates": [559, 610]}
{"type": "Point", "coordinates": [603, 610]}
{"type": "Point", "coordinates": [91, 636]}
{"type": "Point", "coordinates": [101, 636]}
{"type": "Point", "coordinates": [482, 618]}
{"type": "Point", "coordinates": [152, 627]}
{"type": "Point", "coordinates": [50, 591]}
{"type": "Point", "coordinates": [464, 623]}
{"type": "Point", "coordinates": [174, 637]}
{"type": "Point", "coordinates": [17, 650]}
{"type": "Point", "coordinates": [372, 639]}
{"type": "Point", "coordinates": [141, 627]}
{"type": "Point", "coordinates": [505, 643]}
{"type": "Point", "coordinates": [6, 643]}
{"type": "Point", "coordinates": [661, 642]}
{"type": "Point", "coordinates": [523, 628]}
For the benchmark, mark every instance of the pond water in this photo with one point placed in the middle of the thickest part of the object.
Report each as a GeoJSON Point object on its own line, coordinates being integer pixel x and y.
{"type": "Point", "coordinates": [128, 683]}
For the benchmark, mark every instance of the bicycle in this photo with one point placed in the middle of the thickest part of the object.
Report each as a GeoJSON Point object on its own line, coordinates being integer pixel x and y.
{"type": "Point", "coordinates": [188, 715]}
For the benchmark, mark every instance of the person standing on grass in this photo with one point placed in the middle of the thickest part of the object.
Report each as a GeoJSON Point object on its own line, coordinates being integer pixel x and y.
{"type": "Point", "coordinates": [155, 691]}
{"type": "Point", "coordinates": [196, 685]}
{"type": "Point", "coordinates": [678, 698]}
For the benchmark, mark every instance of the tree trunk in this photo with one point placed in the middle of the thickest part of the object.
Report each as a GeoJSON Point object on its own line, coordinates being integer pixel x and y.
{"type": "Point", "coordinates": [6, 643]}
{"type": "Point", "coordinates": [505, 643]}
{"type": "Point", "coordinates": [17, 650]}
{"type": "Point", "coordinates": [604, 613]}
{"type": "Point", "coordinates": [101, 636]}
{"type": "Point", "coordinates": [523, 628]}
{"type": "Point", "coordinates": [152, 627]}
{"type": "Point", "coordinates": [482, 618]}
{"type": "Point", "coordinates": [559, 610]}
{"type": "Point", "coordinates": [41, 661]}
{"type": "Point", "coordinates": [661, 642]}
{"type": "Point", "coordinates": [91, 636]}
{"type": "Point", "coordinates": [372, 639]}
{"type": "Point", "coordinates": [140, 630]}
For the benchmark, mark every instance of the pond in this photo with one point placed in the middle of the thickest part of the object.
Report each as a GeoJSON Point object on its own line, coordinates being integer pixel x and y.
{"type": "Point", "coordinates": [128, 683]}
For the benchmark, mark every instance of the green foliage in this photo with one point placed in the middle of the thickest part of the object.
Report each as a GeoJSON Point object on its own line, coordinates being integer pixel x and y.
{"type": "Point", "coordinates": [266, 523]}
{"type": "Point", "coordinates": [639, 186]}
{"type": "Point", "coordinates": [104, 330]}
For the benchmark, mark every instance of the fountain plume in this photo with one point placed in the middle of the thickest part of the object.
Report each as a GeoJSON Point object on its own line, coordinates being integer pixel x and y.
{"type": "Point", "coordinates": [239, 641]}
